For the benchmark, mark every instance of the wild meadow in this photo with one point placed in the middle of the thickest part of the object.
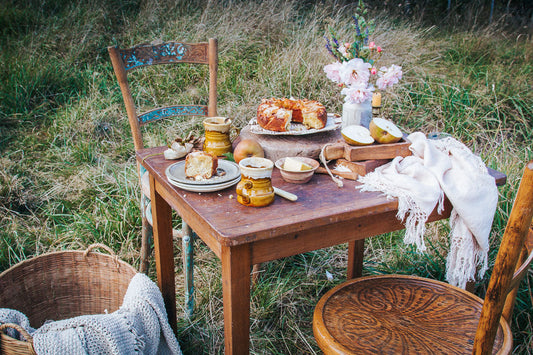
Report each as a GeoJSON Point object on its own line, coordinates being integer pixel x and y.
{"type": "Point", "coordinates": [67, 169]}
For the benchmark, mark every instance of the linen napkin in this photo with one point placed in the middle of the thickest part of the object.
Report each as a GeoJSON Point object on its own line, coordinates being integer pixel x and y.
{"type": "Point", "coordinates": [439, 168]}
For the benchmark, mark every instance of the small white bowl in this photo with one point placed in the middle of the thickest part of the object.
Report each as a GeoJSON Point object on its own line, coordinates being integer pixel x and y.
{"type": "Point", "coordinates": [298, 177]}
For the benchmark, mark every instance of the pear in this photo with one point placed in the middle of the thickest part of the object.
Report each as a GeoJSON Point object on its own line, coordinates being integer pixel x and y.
{"type": "Point", "coordinates": [384, 131]}
{"type": "Point", "coordinates": [357, 135]}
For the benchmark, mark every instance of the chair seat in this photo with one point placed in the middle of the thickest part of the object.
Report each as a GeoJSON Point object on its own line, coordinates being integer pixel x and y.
{"type": "Point", "coordinates": [393, 314]}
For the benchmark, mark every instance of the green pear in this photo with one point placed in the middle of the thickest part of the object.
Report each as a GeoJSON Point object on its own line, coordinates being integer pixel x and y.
{"type": "Point", "coordinates": [384, 131]}
{"type": "Point", "coordinates": [357, 135]}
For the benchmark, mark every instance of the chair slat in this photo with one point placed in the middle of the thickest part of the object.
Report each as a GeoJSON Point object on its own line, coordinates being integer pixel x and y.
{"type": "Point", "coordinates": [164, 53]}
{"type": "Point", "coordinates": [171, 111]}
{"type": "Point", "coordinates": [511, 247]}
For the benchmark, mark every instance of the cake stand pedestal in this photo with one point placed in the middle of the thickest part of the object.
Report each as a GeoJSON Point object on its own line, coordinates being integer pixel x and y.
{"type": "Point", "coordinates": [281, 146]}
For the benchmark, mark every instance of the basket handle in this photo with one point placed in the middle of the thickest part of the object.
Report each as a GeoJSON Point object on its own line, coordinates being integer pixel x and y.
{"type": "Point", "coordinates": [25, 334]}
{"type": "Point", "coordinates": [103, 246]}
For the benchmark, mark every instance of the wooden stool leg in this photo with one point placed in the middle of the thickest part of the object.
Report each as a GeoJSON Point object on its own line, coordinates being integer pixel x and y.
{"type": "Point", "coordinates": [356, 250]}
{"type": "Point", "coordinates": [187, 243]}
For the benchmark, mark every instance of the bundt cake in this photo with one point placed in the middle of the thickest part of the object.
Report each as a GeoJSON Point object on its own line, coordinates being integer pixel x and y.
{"type": "Point", "coordinates": [277, 114]}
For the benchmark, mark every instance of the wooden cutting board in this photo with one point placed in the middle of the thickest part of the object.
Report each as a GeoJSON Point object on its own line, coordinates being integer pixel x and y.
{"type": "Point", "coordinates": [341, 149]}
{"type": "Point", "coordinates": [352, 169]}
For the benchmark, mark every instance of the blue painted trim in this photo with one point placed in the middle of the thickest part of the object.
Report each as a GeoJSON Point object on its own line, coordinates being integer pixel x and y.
{"type": "Point", "coordinates": [188, 249]}
{"type": "Point", "coordinates": [142, 170]}
{"type": "Point", "coordinates": [149, 55]}
{"type": "Point", "coordinates": [182, 110]}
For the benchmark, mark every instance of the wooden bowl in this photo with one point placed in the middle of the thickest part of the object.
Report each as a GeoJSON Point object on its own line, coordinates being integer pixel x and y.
{"type": "Point", "coordinates": [297, 177]}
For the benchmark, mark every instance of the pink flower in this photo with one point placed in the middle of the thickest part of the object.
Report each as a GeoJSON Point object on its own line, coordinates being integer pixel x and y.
{"type": "Point", "coordinates": [355, 71]}
{"type": "Point", "coordinates": [333, 72]}
{"type": "Point", "coordinates": [357, 93]}
{"type": "Point", "coordinates": [371, 45]}
{"type": "Point", "coordinates": [389, 76]}
{"type": "Point", "coordinates": [379, 49]}
{"type": "Point", "coordinates": [373, 71]}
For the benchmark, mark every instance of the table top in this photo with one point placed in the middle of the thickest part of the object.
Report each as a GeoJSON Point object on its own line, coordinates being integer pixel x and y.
{"type": "Point", "coordinates": [320, 203]}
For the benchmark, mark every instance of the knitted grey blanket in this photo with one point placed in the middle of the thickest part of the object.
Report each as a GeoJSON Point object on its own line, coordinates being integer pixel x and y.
{"type": "Point", "coordinates": [140, 326]}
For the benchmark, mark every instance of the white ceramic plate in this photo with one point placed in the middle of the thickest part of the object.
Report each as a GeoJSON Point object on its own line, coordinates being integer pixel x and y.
{"type": "Point", "coordinates": [297, 129]}
{"type": "Point", "coordinates": [227, 171]}
{"type": "Point", "coordinates": [206, 188]}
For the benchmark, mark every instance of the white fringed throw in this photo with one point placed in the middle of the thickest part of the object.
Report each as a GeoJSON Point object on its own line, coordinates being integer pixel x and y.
{"type": "Point", "coordinates": [420, 182]}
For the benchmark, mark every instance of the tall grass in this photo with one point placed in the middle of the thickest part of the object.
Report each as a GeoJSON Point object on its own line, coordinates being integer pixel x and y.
{"type": "Point", "coordinates": [67, 167]}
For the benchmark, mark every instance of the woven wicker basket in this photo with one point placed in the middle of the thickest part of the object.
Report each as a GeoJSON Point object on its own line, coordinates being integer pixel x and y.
{"type": "Point", "coordinates": [61, 285]}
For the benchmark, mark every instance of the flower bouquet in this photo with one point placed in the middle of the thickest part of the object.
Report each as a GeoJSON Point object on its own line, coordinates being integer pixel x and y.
{"type": "Point", "coordinates": [355, 69]}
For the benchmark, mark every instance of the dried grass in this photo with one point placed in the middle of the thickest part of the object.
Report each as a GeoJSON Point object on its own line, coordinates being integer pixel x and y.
{"type": "Point", "coordinates": [67, 170]}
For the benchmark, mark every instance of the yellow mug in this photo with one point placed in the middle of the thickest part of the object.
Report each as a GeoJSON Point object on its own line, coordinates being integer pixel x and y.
{"type": "Point", "coordinates": [255, 188]}
{"type": "Point", "coordinates": [217, 135]}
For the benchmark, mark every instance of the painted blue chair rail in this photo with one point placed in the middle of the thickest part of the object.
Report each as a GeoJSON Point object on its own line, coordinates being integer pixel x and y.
{"type": "Point", "coordinates": [171, 111]}
{"type": "Point", "coordinates": [164, 53]}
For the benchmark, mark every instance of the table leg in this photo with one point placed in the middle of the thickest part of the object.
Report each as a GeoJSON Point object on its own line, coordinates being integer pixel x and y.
{"type": "Point", "coordinates": [164, 251]}
{"type": "Point", "coordinates": [236, 264]}
{"type": "Point", "coordinates": [356, 250]}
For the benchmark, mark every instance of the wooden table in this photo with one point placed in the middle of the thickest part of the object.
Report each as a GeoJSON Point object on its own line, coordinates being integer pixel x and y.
{"type": "Point", "coordinates": [324, 215]}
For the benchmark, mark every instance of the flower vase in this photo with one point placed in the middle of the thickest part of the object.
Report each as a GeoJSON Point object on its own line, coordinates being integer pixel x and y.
{"type": "Point", "coordinates": [357, 114]}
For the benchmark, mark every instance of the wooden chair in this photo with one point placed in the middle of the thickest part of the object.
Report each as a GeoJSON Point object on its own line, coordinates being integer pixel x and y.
{"type": "Point", "coordinates": [170, 53]}
{"type": "Point", "coordinates": [394, 314]}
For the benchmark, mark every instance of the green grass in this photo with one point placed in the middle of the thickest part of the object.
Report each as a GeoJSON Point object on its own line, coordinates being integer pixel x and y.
{"type": "Point", "coordinates": [67, 168]}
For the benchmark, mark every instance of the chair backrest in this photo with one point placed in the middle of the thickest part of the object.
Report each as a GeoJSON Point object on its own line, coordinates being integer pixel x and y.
{"type": "Point", "coordinates": [513, 259]}
{"type": "Point", "coordinates": [127, 59]}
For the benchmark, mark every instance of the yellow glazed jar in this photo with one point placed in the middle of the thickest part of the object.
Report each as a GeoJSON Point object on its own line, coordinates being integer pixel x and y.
{"type": "Point", "coordinates": [217, 135]}
{"type": "Point", "coordinates": [255, 188]}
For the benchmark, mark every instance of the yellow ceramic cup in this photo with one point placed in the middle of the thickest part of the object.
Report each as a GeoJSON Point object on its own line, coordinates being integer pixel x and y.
{"type": "Point", "coordinates": [255, 188]}
{"type": "Point", "coordinates": [217, 135]}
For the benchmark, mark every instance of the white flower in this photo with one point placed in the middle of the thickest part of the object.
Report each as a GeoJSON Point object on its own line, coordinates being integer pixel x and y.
{"type": "Point", "coordinates": [357, 93]}
{"type": "Point", "coordinates": [389, 76]}
{"type": "Point", "coordinates": [355, 71]}
{"type": "Point", "coordinates": [333, 72]}
{"type": "Point", "coordinates": [342, 49]}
